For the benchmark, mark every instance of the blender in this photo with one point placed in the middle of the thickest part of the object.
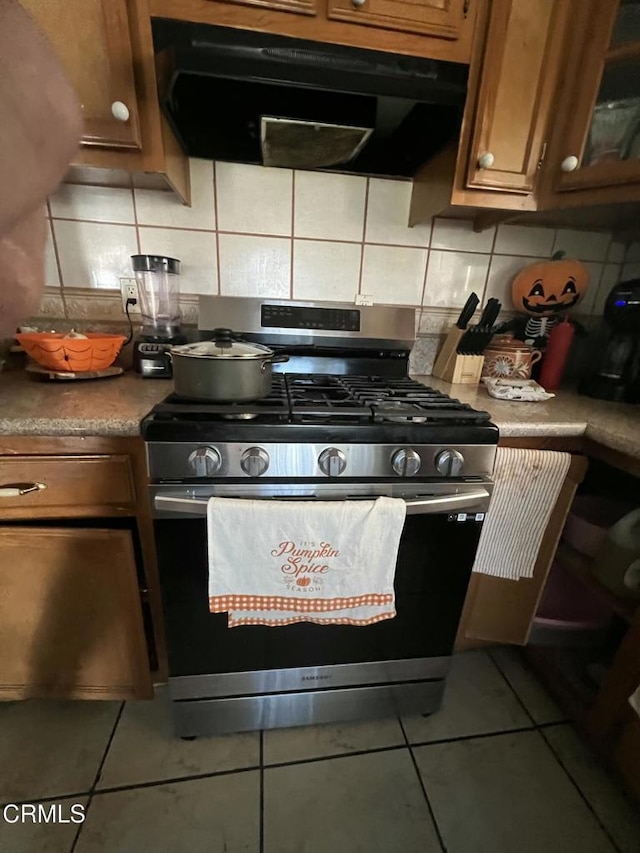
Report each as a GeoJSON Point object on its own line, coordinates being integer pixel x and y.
{"type": "Point", "coordinates": [158, 291]}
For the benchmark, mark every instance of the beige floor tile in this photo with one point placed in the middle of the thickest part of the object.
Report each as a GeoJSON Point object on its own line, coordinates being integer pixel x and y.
{"type": "Point", "coordinates": [212, 815]}
{"type": "Point", "coordinates": [41, 837]}
{"type": "Point", "coordinates": [358, 804]}
{"type": "Point", "coordinates": [319, 741]}
{"type": "Point", "coordinates": [145, 749]}
{"type": "Point", "coordinates": [50, 748]}
{"type": "Point", "coordinates": [477, 700]}
{"type": "Point", "coordinates": [617, 811]}
{"type": "Point", "coordinates": [536, 700]}
{"type": "Point", "coordinates": [504, 794]}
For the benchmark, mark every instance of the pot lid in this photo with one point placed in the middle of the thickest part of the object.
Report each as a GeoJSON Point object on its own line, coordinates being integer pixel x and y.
{"type": "Point", "coordinates": [223, 347]}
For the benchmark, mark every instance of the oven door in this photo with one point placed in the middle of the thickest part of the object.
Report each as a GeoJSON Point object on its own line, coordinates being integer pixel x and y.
{"type": "Point", "coordinates": [436, 554]}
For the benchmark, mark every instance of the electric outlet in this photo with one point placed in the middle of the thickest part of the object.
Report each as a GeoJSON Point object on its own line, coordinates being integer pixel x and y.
{"type": "Point", "coordinates": [129, 290]}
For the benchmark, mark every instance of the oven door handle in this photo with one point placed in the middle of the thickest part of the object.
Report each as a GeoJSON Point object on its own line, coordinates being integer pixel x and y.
{"type": "Point", "coordinates": [417, 506]}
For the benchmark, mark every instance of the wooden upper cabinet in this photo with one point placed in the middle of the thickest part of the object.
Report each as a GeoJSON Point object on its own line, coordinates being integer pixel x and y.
{"type": "Point", "coordinates": [307, 7]}
{"type": "Point", "coordinates": [93, 41]}
{"type": "Point", "coordinates": [517, 75]}
{"type": "Point", "coordinates": [440, 18]}
{"type": "Point", "coordinates": [597, 136]}
{"type": "Point", "coordinates": [70, 615]}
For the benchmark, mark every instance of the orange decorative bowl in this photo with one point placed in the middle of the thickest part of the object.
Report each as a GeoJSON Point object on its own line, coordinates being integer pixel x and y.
{"type": "Point", "coordinates": [73, 355]}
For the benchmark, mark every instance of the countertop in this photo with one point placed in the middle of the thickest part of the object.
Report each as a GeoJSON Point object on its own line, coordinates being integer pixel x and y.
{"type": "Point", "coordinates": [30, 405]}
{"type": "Point", "coordinates": [115, 406]}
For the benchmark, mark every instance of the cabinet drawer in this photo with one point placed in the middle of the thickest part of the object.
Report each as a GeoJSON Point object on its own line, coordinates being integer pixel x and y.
{"type": "Point", "coordinates": [74, 486]}
{"type": "Point", "coordinates": [306, 7]}
{"type": "Point", "coordinates": [440, 18]}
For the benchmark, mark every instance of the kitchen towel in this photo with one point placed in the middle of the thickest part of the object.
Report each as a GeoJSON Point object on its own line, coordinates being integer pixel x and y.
{"type": "Point", "coordinates": [277, 562]}
{"type": "Point", "coordinates": [527, 485]}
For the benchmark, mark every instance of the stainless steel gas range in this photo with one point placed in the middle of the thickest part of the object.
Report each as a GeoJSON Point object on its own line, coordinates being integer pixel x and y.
{"type": "Point", "coordinates": [343, 422]}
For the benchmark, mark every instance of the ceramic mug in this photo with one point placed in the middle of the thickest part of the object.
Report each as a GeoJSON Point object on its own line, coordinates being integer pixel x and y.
{"type": "Point", "coordinates": [508, 358]}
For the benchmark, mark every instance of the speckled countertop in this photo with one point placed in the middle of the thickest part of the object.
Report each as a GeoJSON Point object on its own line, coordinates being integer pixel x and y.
{"type": "Point", "coordinates": [616, 425]}
{"type": "Point", "coordinates": [31, 406]}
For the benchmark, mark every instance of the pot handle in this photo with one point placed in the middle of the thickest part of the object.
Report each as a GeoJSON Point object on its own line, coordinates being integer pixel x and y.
{"type": "Point", "coordinates": [274, 359]}
{"type": "Point", "coordinates": [536, 355]}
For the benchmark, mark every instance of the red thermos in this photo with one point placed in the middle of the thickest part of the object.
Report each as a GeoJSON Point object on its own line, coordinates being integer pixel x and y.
{"type": "Point", "coordinates": [556, 354]}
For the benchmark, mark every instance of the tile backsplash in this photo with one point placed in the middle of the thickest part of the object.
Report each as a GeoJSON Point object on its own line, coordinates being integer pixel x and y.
{"type": "Point", "coordinates": [255, 231]}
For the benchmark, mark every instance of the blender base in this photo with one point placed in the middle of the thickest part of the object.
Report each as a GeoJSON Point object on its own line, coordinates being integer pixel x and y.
{"type": "Point", "coordinates": [151, 358]}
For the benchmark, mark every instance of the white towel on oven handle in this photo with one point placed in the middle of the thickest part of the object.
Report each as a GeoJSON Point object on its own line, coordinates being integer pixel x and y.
{"type": "Point", "coordinates": [304, 557]}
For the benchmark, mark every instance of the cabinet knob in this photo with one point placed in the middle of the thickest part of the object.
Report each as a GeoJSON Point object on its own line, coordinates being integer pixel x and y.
{"type": "Point", "coordinates": [486, 160]}
{"type": "Point", "coordinates": [358, 3]}
{"type": "Point", "coordinates": [120, 111]}
{"type": "Point", "coordinates": [569, 164]}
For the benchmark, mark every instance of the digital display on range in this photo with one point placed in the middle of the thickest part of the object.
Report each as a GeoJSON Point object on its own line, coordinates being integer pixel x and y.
{"type": "Point", "coordinates": [300, 317]}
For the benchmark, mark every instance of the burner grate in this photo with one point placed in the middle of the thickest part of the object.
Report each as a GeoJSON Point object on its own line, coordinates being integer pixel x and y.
{"type": "Point", "coordinates": [332, 399]}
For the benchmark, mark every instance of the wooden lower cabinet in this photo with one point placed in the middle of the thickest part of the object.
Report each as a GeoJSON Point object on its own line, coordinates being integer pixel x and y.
{"type": "Point", "coordinates": [70, 614]}
{"type": "Point", "coordinates": [500, 610]}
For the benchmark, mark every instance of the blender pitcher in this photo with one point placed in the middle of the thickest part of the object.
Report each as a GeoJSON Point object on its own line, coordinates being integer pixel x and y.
{"type": "Point", "coordinates": [158, 292]}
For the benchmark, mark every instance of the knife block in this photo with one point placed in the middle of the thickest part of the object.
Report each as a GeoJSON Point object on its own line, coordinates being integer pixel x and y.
{"type": "Point", "coordinates": [455, 368]}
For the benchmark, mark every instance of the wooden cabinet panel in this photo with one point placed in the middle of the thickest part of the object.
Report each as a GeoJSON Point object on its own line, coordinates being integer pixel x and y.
{"type": "Point", "coordinates": [519, 63]}
{"type": "Point", "coordinates": [75, 486]}
{"type": "Point", "coordinates": [501, 610]}
{"type": "Point", "coordinates": [93, 41]}
{"type": "Point", "coordinates": [441, 18]}
{"type": "Point", "coordinates": [307, 7]}
{"type": "Point", "coordinates": [70, 615]}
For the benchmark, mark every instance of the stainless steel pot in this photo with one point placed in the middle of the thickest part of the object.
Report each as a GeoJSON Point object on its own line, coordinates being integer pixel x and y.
{"type": "Point", "coordinates": [224, 369]}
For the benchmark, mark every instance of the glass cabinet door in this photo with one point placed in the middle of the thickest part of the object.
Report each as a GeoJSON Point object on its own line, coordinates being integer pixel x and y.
{"type": "Point", "coordinates": [602, 142]}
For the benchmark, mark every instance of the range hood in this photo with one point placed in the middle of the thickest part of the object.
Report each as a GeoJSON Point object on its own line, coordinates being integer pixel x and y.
{"type": "Point", "coordinates": [251, 97]}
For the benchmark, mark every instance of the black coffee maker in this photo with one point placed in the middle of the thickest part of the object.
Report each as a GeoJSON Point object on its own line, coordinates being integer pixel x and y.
{"type": "Point", "coordinates": [614, 371]}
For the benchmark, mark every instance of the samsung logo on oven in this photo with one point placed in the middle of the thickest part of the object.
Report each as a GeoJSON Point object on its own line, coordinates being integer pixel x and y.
{"type": "Point", "coordinates": [316, 677]}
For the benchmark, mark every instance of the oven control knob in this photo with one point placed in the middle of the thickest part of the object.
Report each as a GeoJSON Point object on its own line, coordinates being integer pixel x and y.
{"type": "Point", "coordinates": [449, 463]}
{"type": "Point", "coordinates": [406, 462]}
{"type": "Point", "coordinates": [254, 461]}
{"type": "Point", "coordinates": [204, 462]}
{"type": "Point", "coordinates": [332, 462]}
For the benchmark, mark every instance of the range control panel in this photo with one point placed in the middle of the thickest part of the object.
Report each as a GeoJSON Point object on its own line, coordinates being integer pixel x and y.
{"type": "Point", "coordinates": [304, 317]}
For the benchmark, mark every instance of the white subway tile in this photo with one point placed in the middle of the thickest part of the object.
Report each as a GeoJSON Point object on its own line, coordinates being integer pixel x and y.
{"type": "Point", "coordinates": [394, 275]}
{"type": "Point", "coordinates": [610, 277]}
{"type": "Point", "coordinates": [101, 204]}
{"type": "Point", "coordinates": [584, 245]}
{"type": "Point", "coordinates": [630, 270]}
{"type": "Point", "coordinates": [255, 266]}
{"type": "Point", "coordinates": [458, 234]}
{"type": "Point", "coordinates": [452, 276]}
{"type": "Point", "coordinates": [585, 306]}
{"type": "Point", "coordinates": [254, 199]}
{"type": "Point", "coordinates": [524, 240]}
{"type": "Point", "coordinates": [156, 207]}
{"type": "Point", "coordinates": [51, 276]}
{"type": "Point", "coordinates": [388, 214]}
{"type": "Point", "coordinates": [633, 252]}
{"type": "Point", "coordinates": [324, 270]}
{"type": "Point", "coordinates": [196, 251]}
{"type": "Point", "coordinates": [329, 206]}
{"type": "Point", "coordinates": [501, 273]}
{"type": "Point", "coordinates": [94, 255]}
{"type": "Point", "coordinates": [616, 252]}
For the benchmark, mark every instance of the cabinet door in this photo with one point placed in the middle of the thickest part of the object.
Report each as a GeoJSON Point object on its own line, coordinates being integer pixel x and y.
{"type": "Point", "coordinates": [500, 610]}
{"type": "Point", "coordinates": [93, 41]}
{"type": "Point", "coordinates": [70, 615]}
{"type": "Point", "coordinates": [440, 18]}
{"type": "Point", "coordinates": [598, 143]}
{"type": "Point", "coordinates": [517, 74]}
{"type": "Point", "coordinates": [307, 7]}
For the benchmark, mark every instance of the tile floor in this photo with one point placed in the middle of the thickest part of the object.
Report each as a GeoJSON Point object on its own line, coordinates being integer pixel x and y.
{"type": "Point", "coordinates": [497, 770]}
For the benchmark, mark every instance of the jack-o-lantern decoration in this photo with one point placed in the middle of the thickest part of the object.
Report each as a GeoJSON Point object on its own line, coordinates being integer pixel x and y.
{"type": "Point", "coordinates": [303, 581]}
{"type": "Point", "coordinates": [547, 288]}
